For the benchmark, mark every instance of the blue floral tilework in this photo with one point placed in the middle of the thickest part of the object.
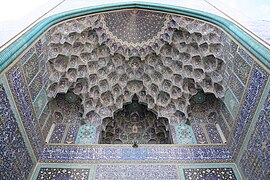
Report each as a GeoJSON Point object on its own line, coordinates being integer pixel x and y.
{"type": "Point", "coordinates": [107, 154]}
{"type": "Point", "coordinates": [213, 133]}
{"type": "Point", "coordinates": [15, 161]}
{"type": "Point", "coordinates": [199, 133]}
{"type": "Point", "coordinates": [58, 133]}
{"type": "Point", "coordinates": [26, 111]}
{"type": "Point", "coordinates": [72, 133]}
{"type": "Point", "coordinates": [138, 171]}
{"type": "Point", "coordinates": [255, 161]}
{"type": "Point", "coordinates": [252, 96]}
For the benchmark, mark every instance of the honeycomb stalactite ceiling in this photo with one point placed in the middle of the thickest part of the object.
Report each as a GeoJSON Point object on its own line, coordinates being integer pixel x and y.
{"type": "Point", "coordinates": [164, 59]}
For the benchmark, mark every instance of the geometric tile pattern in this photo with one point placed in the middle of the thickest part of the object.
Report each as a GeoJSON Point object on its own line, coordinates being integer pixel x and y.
{"type": "Point", "coordinates": [63, 173]}
{"type": "Point", "coordinates": [139, 171]}
{"type": "Point", "coordinates": [15, 161]}
{"type": "Point", "coordinates": [209, 173]}
{"type": "Point", "coordinates": [86, 134]}
{"type": "Point", "coordinates": [185, 134]}
{"type": "Point", "coordinates": [255, 161]}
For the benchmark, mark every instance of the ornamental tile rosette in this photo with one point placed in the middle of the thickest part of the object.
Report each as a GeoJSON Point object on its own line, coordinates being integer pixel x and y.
{"type": "Point", "coordinates": [135, 28]}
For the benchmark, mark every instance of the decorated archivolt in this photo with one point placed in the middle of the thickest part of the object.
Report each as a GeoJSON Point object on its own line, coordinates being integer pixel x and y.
{"type": "Point", "coordinates": [164, 59]}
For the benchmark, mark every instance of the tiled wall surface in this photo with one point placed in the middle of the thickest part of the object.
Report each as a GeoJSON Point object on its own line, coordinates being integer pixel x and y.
{"type": "Point", "coordinates": [136, 171]}
{"type": "Point", "coordinates": [27, 82]}
{"type": "Point", "coordinates": [16, 160]}
{"type": "Point", "coordinates": [253, 160]}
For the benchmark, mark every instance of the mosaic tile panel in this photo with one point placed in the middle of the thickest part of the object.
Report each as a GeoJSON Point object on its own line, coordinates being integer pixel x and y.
{"type": "Point", "coordinates": [30, 68]}
{"type": "Point", "coordinates": [136, 172]}
{"type": "Point", "coordinates": [226, 114]}
{"type": "Point", "coordinates": [173, 134]}
{"type": "Point", "coordinates": [44, 116]}
{"type": "Point", "coordinates": [241, 68]}
{"type": "Point", "coordinates": [255, 159]}
{"type": "Point", "coordinates": [224, 128]}
{"type": "Point", "coordinates": [213, 133]}
{"type": "Point", "coordinates": [63, 173]}
{"type": "Point", "coordinates": [106, 154]}
{"type": "Point", "coordinates": [35, 86]}
{"type": "Point", "coordinates": [15, 161]}
{"type": "Point", "coordinates": [199, 134]}
{"type": "Point", "coordinates": [42, 64]}
{"type": "Point", "coordinates": [45, 80]}
{"type": "Point", "coordinates": [209, 173]}
{"type": "Point", "coordinates": [252, 96]}
{"type": "Point", "coordinates": [231, 102]}
{"type": "Point", "coordinates": [86, 134]}
{"type": "Point", "coordinates": [38, 46]}
{"type": "Point", "coordinates": [236, 86]}
{"type": "Point", "coordinates": [27, 55]}
{"type": "Point", "coordinates": [58, 133]}
{"type": "Point", "coordinates": [230, 47]}
{"type": "Point", "coordinates": [245, 55]}
{"type": "Point", "coordinates": [25, 108]}
{"type": "Point", "coordinates": [185, 134]}
{"type": "Point", "coordinates": [47, 126]}
{"type": "Point", "coordinates": [72, 134]}
{"type": "Point", "coordinates": [40, 102]}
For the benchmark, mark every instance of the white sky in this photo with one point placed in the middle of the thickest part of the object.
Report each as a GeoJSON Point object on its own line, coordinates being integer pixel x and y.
{"type": "Point", "coordinates": [257, 9]}
{"type": "Point", "coordinates": [16, 9]}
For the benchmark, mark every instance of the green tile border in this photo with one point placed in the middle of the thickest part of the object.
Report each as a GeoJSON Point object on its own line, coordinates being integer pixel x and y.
{"type": "Point", "coordinates": [9, 54]}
